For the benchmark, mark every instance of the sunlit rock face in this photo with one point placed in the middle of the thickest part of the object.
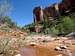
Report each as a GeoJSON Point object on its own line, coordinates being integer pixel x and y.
{"type": "Point", "coordinates": [41, 14]}
{"type": "Point", "coordinates": [63, 8]}
{"type": "Point", "coordinates": [50, 11]}
{"type": "Point", "coordinates": [36, 14]}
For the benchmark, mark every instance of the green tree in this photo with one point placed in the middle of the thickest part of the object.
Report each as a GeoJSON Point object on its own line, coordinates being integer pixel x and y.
{"type": "Point", "coordinates": [68, 24]}
{"type": "Point", "coordinates": [7, 20]}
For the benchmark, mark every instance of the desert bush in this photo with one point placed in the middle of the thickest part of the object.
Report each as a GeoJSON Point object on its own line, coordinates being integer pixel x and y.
{"type": "Point", "coordinates": [10, 46]}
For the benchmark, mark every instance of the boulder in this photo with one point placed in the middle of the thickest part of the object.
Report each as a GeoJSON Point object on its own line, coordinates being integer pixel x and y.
{"type": "Point", "coordinates": [58, 48]}
{"type": "Point", "coordinates": [72, 34]}
{"type": "Point", "coordinates": [63, 47]}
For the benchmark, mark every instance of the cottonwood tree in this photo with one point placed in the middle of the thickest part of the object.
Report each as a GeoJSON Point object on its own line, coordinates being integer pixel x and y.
{"type": "Point", "coordinates": [5, 8]}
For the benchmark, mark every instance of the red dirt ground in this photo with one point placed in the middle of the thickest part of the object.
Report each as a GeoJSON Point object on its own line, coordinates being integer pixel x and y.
{"type": "Point", "coordinates": [46, 50]}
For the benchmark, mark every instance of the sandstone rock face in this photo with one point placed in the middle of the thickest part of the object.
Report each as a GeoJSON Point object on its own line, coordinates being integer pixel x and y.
{"type": "Point", "coordinates": [53, 12]}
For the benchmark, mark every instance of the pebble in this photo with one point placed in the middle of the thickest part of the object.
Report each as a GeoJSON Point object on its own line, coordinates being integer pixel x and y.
{"type": "Point", "coordinates": [18, 55]}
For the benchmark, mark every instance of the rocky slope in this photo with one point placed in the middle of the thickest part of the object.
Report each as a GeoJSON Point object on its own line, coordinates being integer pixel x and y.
{"type": "Point", "coordinates": [14, 42]}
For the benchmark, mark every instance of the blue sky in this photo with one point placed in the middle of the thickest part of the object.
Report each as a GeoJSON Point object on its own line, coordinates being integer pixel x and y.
{"type": "Point", "coordinates": [22, 10]}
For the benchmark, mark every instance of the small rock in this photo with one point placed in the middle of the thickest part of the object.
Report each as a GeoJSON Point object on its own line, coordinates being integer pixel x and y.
{"type": "Point", "coordinates": [18, 55]}
{"type": "Point", "coordinates": [58, 49]}
{"type": "Point", "coordinates": [32, 44]}
{"type": "Point", "coordinates": [63, 47]}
